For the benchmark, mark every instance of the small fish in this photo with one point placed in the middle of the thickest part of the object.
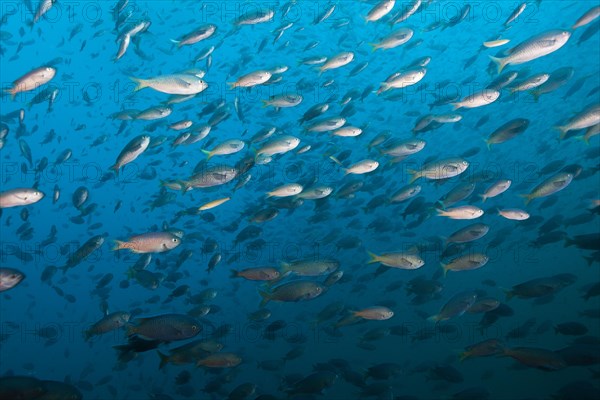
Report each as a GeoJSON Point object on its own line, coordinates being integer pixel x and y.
{"type": "Point", "coordinates": [154, 242]}
{"type": "Point", "coordinates": [293, 292]}
{"type": "Point", "coordinates": [107, 324]}
{"type": "Point", "coordinates": [33, 79]}
{"type": "Point", "coordinates": [182, 84]}
{"type": "Point", "coordinates": [165, 327]}
{"type": "Point", "coordinates": [20, 197]}
{"type": "Point", "coordinates": [535, 47]}
{"type": "Point", "coordinates": [9, 278]}
{"type": "Point", "coordinates": [131, 151]}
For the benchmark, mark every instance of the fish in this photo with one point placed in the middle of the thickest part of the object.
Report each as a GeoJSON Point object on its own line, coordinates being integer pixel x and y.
{"type": "Point", "coordinates": [309, 267]}
{"type": "Point", "coordinates": [402, 79]}
{"type": "Point", "coordinates": [442, 169]}
{"type": "Point", "coordinates": [478, 99]}
{"type": "Point", "coordinates": [337, 61]}
{"type": "Point", "coordinates": [19, 197]}
{"type": "Point", "coordinates": [496, 189]}
{"type": "Point", "coordinates": [465, 263]}
{"type": "Point", "coordinates": [131, 152]}
{"type": "Point", "coordinates": [585, 119]}
{"type": "Point", "coordinates": [455, 307]}
{"type": "Point", "coordinates": [461, 212]}
{"type": "Point", "coordinates": [588, 17]}
{"type": "Point", "coordinates": [252, 79]}
{"type": "Point", "coordinates": [393, 40]}
{"type": "Point", "coordinates": [535, 47]}
{"type": "Point", "coordinates": [209, 177]}
{"type": "Point", "coordinates": [399, 260]}
{"type": "Point", "coordinates": [289, 189]}
{"type": "Point", "coordinates": [33, 79]}
{"type": "Point", "coordinates": [225, 148]}
{"type": "Point", "coordinates": [180, 84]}
{"type": "Point", "coordinates": [165, 327]}
{"type": "Point", "coordinates": [107, 324]}
{"type": "Point", "coordinates": [292, 292]}
{"type": "Point", "coordinates": [202, 33]}
{"type": "Point", "coordinates": [89, 247]}
{"type": "Point", "coordinates": [514, 214]}
{"type": "Point", "coordinates": [10, 278]}
{"type": "Point", "coordinates": [380, 10]}
{"type": "Point", "coordinates": [257, 274]}
{"type": "Point", "coordinates": [220, 360]}
{"type": "Point", "coordinates": [549, 186]}
{"type": "Point", "coordinates": [536, 357]}
{"type": "Point", "coordinates": [507, 131]}
{"type": "Point", "coordinates": [153, 242]}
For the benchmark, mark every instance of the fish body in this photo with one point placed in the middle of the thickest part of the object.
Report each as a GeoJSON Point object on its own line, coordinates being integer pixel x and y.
{"type": "Point", "coordinates": [32, 80]}
{"type": "Point", "coordinates": [535, 47]}
{"type": "Point", "coordinates": [20, 197]}
{"type": "Point", "coordinates": [153, 242]}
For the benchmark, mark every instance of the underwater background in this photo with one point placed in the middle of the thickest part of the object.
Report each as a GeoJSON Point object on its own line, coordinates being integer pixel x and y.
{"type": "Point", "coordinates": [359, 281]}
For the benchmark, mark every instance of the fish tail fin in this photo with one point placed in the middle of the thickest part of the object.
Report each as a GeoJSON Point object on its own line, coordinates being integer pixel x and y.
{"type": "Point", "coordinates": [527, 197]}
{"type": "Point", "coordinates": [266, 297]}
{"type": "Point", "coordinates": [568, 242]}
{"type": "Point", "coordinates": [335, 160]}
{"type": "Point", "coordinates": [590, 261]}
{"type": "Point", "coordinates": [87, 335]}
{"type": "Point", "coordinates": [12, 92]}
{"type": "Point", "coordinates": [463, 356]}
{"type": "Point", "coordinates": [232, 85]}
{"type": "Point", "coordinates": [115, 168]}
{"type": "Point", "coordinates": [483, 197]}
{"type": "Point", "coordinates": [164, 359]}
{"type": "Point", "coordinates": [177, 42]}
{"type": "Point", "coordinates": [414, 175]}
{"type": "Point", "coordinates": [434, 318]}
{"type": "Point", "coordinates": [130, 273]}
{"type": "Point", "coordinates": [141, 83]}
{"type": "Point", "coordinates": [444, 268]}
{"type": "Point", "coordinates": [488, 143]}
{"type": "Point", "coordinates": [500, 63]}
{"type": "Point", "coordinates": [374, 47]}
{"type": "Point", "coordinates": [563, 131]}
{"type": "Point", "coordinates": [285, 268]}
{"type": "Point", "coordinates": [208, 153]}
{"type": "Point", "coordinates": [508, 293]}
{"type": "Point", "coordinates": [234, 273]}
{"type": "Point", "coordinates": [583, 138]}
{"type": "Point", "coordinates": [184, 186]}
{"type": "Point", "coordinates": [456, 106]}
{"type": "Point", "coordinates": [441, 213]}
{"type": "Point", "coordinates": [265, 103]}
{"type": "Point", "coordinates": [119, 245]}
{"type": "Point", "coordinates": [373, 258]}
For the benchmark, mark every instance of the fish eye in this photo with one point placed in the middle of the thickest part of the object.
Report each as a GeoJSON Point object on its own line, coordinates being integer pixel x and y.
{"type": "Point", "coordinates": [174, 240]}
{"type": "Point", "coordinates": [194, 327]}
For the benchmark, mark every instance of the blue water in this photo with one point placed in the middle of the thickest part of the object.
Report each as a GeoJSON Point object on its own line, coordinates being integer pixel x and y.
{"type": "Point", "coordinates": [43, 320]}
